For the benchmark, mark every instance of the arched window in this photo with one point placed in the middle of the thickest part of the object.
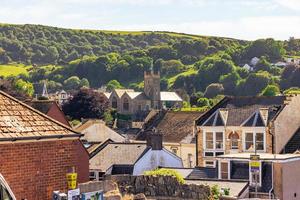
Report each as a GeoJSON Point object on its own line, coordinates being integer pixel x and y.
{"type": "Point", "coordinates": [234, 140]}
{"type": "Point", "coordinates": [125, 104]}
{"type": "Point", "coordinates": [114, 103]}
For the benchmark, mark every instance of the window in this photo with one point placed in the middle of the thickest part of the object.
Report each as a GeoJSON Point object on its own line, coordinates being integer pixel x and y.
{"type": "Point", "coordinates": [126, 104]}
{"type": "Point", "coordinates": [219, 153]}
{"type": "Point", "coordinates": [92, 176]}
{"type": "Point", "coordinates": [5, 194]}
{"type": "Point", "coordinates": [214, 141]}
{"type": "Point", "coordinates": [219, 140]}
{"type": "Point", "coordinates": [234, 140]}
{"type": "Point", "coordinates": [209, 154]}
{"type": "Point", "coordinates": [209, 164]}
{"type": "Point", "coordinates": [209, 140]}
{"type": "Point", "coordinates": [254, 138]}
{"type": "Point", "coordinates": [114, 103]}
{"type": "Point", "coordinates": [174, 150]}
{"type": "Point", "coordinates": [259, 137]}
{"type": "Point", "coordinates": [249, 142]}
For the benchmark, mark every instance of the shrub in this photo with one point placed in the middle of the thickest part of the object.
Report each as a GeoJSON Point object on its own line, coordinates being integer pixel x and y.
{"type": "Point", "coordinates": [165, 172]}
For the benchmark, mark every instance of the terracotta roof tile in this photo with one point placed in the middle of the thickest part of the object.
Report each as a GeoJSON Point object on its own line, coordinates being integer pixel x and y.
{"type": "Point", "coordinates": [18, 120]}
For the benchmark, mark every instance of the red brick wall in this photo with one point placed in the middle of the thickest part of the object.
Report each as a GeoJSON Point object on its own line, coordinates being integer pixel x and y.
{"type": "Point", "coordinates": [55, 113]}
{"type": "Point", "coordinates": [35, 169]}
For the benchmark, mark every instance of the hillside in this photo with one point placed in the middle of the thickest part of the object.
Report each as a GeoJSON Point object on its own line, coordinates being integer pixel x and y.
{"type": "Point", "coordinates": [194, 65]}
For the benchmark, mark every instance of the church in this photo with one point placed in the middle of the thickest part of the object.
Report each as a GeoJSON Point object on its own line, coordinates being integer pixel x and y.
{"type": "Point", "coordinates": [128, 101]}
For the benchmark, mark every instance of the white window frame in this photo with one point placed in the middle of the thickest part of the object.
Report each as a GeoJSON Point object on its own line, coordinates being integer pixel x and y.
{"type": "Point", "coordinates": [254, 131]}
{"type": "Point", "coordinates": [212, 166]}
{"type": "Point", "coordinates": [214, 131]}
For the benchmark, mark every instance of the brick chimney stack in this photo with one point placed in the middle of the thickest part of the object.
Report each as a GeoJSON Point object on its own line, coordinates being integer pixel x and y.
{"type": "Point", "coordinates": [155, 141]}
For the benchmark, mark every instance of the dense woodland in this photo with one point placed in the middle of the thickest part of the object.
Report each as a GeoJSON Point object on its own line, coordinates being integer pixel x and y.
{"type": "Point", "coordinates": [199, 68]}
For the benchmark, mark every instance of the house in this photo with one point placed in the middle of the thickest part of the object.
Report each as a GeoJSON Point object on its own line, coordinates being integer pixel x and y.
{"type": "Point", "coordinates": [51, 109]}
{"type": "Point", "coordinates": [254, 61]}
{"type": "Point", "coordinates": [36, 151]}
{"type": "Point", "coordinates": [177, 129]}
{"type": "Point", "coordinates": [280, 64]}
{"type": "Point", "coordinates": [62, 97]}
{"type": "Point", "coordinates": [130, 102]}
{"type": "Point", "coordinates": [95, 132]}
{"type": "Point", "coordinates": [275, 175]}
{"type": "Point", "coordinates": [248, 67]}
{"type": "Point", "coordinates": [291, 60]}
{"type": "Point", "coordinates": [247, 124]}
{"type": "Point", "coordinates": [131, 158]}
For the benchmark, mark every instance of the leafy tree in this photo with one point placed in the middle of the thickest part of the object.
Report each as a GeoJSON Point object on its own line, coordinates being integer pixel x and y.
{"type": "Point", "coordinates": [24, 86]}
{"type": "Point", "coordinates": [271, 90]}
{"type": "Point", "coordinates": [211, 69]}
{"type": "Point", "coordinates": [254, 84]}
{"type": "Point", "coordinates": [164, 84]}
{"type": "Point", "coordinates": [194, 98]}
{"type": "Point", "coordinates": [113, 84]}
{"type": "Point", "coordinates": [87, 104]}
{"type": "Point", "coordinates": [84, 83]}
{"type": "Point", "coordinates": [265, 47]}
{"type": "Point", "coordinates": [171, 67]}
{"type": "Point", "coordinates": [213, 90]}
{"type": "Point", "coordinates": [202, 102]}
{"type": "Point", "coordinates": [72, 83]}
{"type": "Point", "coordinates": [8, 87]}
{"type": "Point", "coordinates": [230, 82]}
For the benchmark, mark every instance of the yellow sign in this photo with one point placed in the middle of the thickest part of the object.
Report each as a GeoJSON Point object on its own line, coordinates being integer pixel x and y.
{"type": "Point", "coordinates": [255, 164]}
{"type": "Point", "coordinates": [72, 180]}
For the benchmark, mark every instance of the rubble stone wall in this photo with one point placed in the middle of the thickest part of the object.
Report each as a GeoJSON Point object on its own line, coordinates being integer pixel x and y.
{"type": "Point", "coordinates": [160, 186]}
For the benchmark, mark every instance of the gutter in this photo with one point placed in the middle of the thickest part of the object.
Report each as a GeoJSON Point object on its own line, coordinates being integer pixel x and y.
{"type": "Point", "coordinates": [13, 139]}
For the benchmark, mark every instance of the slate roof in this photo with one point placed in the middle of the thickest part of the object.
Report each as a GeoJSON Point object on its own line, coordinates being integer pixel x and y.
{"type": "Point", "coordinates": [169, 96]}
{"type": "Point", "coordinates": [178, 126]}
{"type": "Point", "coordinates": [19, 121]}
{"type": "Point", "coordinates": [118, 154]}
{"type": "Point", "coordinates": [203, 173]}
{"type": "Point", "coordinates": [293, 145]}
{"type": "Point", "coordinates": [239, 109]}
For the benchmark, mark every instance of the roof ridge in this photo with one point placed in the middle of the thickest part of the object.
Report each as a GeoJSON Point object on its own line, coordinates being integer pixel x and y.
{"type": "Point", "coordinates": [38, 112]}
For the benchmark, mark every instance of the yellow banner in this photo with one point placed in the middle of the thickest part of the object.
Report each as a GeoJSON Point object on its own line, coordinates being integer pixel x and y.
{"type": "Point", "coordinates": [72, 180]}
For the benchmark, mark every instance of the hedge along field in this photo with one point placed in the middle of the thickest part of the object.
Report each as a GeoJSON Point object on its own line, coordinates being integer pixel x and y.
{"type": "Point", "coordinates": [13, 70]}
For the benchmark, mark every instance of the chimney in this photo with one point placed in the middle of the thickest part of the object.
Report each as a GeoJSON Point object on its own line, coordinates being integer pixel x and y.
{"type": "Point", "coordinates": [154, 140]}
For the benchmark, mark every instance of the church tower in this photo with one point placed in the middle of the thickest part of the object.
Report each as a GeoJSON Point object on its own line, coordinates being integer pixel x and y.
{"type": "Point", "coordinates": [152, 87]}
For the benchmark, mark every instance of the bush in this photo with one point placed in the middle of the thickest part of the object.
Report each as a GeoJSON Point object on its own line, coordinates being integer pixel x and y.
{"type": "Point", "coordinates": [165, 172]}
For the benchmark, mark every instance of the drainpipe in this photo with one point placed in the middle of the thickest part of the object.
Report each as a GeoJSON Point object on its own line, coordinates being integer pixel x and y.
{"type": "Point", "coordinates": [270, 191]}
{"type": "Point", "coordinates": [274, 152]}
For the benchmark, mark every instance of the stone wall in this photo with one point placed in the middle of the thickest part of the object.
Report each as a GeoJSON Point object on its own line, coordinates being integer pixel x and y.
{"type": "Point", "coordinates": [160, 187]}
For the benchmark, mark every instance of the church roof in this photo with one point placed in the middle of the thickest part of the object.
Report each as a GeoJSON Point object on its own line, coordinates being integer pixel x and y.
{"type": "Point", "coordinates": [120, 92]}
{"type": "Point", "coordinates": [169, 96]}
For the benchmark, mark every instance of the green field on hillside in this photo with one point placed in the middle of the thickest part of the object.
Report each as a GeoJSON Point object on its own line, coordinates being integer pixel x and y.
{"type": "Point", "coordinates": [13, 70]}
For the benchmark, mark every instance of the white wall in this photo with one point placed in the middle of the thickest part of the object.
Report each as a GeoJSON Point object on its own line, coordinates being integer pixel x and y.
{"type": "Point", "coordinates": [156, 158]}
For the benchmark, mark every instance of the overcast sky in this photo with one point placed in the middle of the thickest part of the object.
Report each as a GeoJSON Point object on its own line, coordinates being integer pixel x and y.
{"type": "Point", "coordinates": [244, 19]}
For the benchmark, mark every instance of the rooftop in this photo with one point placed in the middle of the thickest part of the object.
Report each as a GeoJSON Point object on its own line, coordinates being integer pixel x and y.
{"type": "Point", "coordinates": [236, 110]}
{"type": "Point", "coordinates": [169, 96]}
{"type": "Point", "coordinates": [263, 156]}
{"type": "Point", "coordinates": [19, 121]}
{"type": "Point", "coordinates": [118, 154]}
